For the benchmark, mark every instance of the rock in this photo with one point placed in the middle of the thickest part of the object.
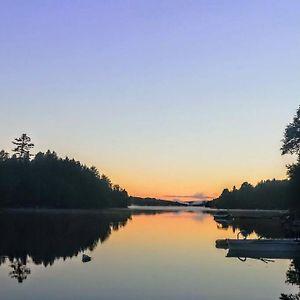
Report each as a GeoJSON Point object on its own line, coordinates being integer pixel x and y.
{"type": "Point", "coordinates": [86, 258]}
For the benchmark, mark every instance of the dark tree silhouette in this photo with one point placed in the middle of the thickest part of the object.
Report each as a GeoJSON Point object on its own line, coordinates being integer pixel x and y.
{"type": "Point", "coordinates": [269, 194]}
{"type": "Point", "coordinates": [289, 297]}
{"type": "Point", "coordinates": [47, 181]}
{"type": "Point", "coordinates": [153, 202]}
{"type": "Point", "coordinates": [3, 155]}
{"type": "Point", "coordinates": [291, 141]}
{"type": "Point", "coordinates": [291, 145]}
{"type": "Point", "coordinates": [19, 270]}
{"type": "Point", "coordinates": [43, 238]}
{"type": "Point", "coordinates": [23, 146]}
{"type": "Point", "coordinates": [293, 278]}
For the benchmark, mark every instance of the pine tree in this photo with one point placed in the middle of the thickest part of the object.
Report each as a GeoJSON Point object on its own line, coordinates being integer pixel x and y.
{"type": "Point", "coordinates": [291, 141]}
{"type": "Point", "coordinates": [23, 146]}
{"type": "Point", "coordinates": [3, 155]}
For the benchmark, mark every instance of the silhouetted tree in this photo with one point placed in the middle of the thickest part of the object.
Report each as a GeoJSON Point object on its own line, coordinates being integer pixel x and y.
{"type": "Point", "coordinates": [19, 270]}
{"type": "Point", "coordinates": [95, 171]}
{"type": "Point", "coordinates": [293, 278]}
{"type": "Point", "coordinates": [46, 237]}
{"type": "Point", "coordinates": [107, 181]}
{"type": "Point", "coordinates": [291, 141]}
{"type": "Point", "coordinates": [23, 146]}
{"type": "Point", "coordinates": [153, 202]}
{"type": "Point", "coordinates": [3, 155]}
{"type": "Point", "coordinates": [269, 194]}
{"type": "Point", "coordinates": [291, 145]}
{"type": "Point", "coordinates": [51, 182]}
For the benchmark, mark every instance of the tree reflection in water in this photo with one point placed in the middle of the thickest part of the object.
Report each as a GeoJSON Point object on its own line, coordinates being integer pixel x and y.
{"type": "Point", "coordinates": [293, 278]}
{"type": "Point", "coordinates": [262, 227]}
{"type": "Point", "coordinates": [268, 228]}
{"type": "Point", "coordinates": [20, 271]}
{"type": "Point", "coordinates": [42, 237]}
{"type": "Point", "coordinates": [46, 237]}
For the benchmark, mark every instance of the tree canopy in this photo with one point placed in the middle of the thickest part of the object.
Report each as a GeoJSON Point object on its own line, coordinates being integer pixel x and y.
{"type": "Point", "coordinates": [269, 194]}
{"type": "Point", "coordinates": [291, 145]}
{"type": "Point", "coordinates": [291, 141]}
{"type": "Point", "coordinates": [47, 181]}
{"type": "Point", "coordinates": [23, 146]}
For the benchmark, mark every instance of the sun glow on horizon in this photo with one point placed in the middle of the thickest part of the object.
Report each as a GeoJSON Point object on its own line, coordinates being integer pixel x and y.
{"type": "Point", "coordinates": [168, 99]}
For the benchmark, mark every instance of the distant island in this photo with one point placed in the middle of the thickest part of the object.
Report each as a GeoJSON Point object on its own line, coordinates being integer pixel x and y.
{"type": "Point", "coordinates": [138, 201]}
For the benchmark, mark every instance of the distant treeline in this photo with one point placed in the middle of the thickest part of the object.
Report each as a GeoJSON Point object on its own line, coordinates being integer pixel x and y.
{"type": "Point", "coordinates": [153, 202]}
{"type": "Point", "coordinates": [47, 181]}
{"type": "Point", "coordinates": [269, 194]}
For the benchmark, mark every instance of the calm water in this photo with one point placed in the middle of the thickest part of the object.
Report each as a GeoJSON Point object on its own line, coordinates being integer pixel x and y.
{"type": "Point", "coordinates": [135, 255]}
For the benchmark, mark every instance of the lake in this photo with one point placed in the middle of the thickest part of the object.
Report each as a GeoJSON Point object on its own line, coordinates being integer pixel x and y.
{"type": "Point", "coordinates": [136, 254]}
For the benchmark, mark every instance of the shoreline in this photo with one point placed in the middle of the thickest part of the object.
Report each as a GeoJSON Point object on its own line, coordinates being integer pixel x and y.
{"type": "Point", "coordinates": [61, 210]}
{"type": "Point", "coordinates": [233, 212]}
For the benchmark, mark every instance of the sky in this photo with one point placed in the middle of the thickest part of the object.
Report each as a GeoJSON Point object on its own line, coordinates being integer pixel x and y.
{"type": "Point", "coordinates": [170, 99]}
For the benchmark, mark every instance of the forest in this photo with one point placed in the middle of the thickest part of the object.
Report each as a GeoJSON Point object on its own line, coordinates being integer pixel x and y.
{"type": "Point", "coordinates": [270, 194]}
{"type": "Point", "coordinates": [45, 180]}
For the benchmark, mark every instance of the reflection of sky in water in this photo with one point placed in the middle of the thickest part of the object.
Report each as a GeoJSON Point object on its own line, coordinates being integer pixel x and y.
{"type": "Point", "coordinates": [167, 255]}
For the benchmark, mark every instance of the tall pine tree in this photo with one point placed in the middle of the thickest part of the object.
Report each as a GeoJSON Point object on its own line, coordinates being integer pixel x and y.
{"type": "Point", "coordinates": [23, 146]}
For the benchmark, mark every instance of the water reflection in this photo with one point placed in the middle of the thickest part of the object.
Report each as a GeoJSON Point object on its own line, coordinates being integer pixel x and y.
{"type": "Point", "coordinates": [293, 278]}
{"type": "Point", "coordinates": [269, 228]}
{"type": "Point", "coordinates": [19, 271]}
{"type": "Point", "coordinates": [160, 254]}
{"type": "Point", "coordinates": [44, 238]}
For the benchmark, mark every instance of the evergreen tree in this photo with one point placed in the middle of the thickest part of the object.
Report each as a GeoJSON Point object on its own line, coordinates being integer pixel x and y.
{"type": "Point", "coordinates": [291, 141]}
{"type": "Point", "coordinates": [48, 181]}
{"type": "Point", "coordinates": [3, 155]}
{"type": "Point", "coordinates": [23, 146]}
{"type": "Point", "coordinates": [291, 145]}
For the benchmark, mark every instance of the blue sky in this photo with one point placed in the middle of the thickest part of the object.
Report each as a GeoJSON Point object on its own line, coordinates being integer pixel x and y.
{"type": "Point", "coordinates": [165, 97]}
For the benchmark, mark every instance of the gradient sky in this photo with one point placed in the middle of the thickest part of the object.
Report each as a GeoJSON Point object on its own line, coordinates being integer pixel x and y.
{"type": "Point", "coordinates": [168, 98]}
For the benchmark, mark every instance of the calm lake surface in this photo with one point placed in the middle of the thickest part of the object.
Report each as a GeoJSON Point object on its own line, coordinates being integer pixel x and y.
{"type": "Point", "coordinates": [136, 254]}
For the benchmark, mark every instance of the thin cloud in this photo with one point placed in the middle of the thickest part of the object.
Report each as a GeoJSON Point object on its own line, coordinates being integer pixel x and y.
{"type": "Point", "coordinates": [196, 196]}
